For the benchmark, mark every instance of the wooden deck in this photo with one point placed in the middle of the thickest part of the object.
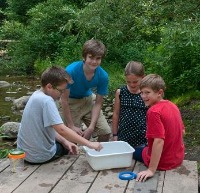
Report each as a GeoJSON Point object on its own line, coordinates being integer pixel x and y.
{"type": "Point", "coordinates": [73, 174]}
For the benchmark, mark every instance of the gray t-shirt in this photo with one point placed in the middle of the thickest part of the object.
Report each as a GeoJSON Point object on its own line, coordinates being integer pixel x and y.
{"type": "Point", "coordinates": [36, 135]}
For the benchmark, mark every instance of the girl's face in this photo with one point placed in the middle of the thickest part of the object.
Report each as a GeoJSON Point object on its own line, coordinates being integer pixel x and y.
{"type": "Point", "coordinates": [92, 62]}
{"type": "Point", "coordinates": [133, 83]}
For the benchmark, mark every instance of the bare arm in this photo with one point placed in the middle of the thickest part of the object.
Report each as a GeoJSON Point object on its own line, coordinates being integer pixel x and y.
{"type": "Point", "coordinates": [94, 116]}
{"type": "Point", "coordinates": [96, 110]}
{"type": "Point", "coordinates": [155, 158]}
{"type": "Point", "coordinates": [73, 149]}
{"type": "Point", "coordinates": [66, 112]}
{"type": "Point", "coordinates": [72, 136]}
{"type": "Point", "coordinates": [116, 111]}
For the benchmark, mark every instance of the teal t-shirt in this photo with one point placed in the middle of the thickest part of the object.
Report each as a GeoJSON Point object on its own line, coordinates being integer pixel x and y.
{"type": "Point", "coordinates": [81, 86]}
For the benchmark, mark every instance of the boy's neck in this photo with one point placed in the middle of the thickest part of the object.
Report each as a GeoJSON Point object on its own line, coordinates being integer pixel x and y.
{"type": "Point", "coordinates": [89, 73]}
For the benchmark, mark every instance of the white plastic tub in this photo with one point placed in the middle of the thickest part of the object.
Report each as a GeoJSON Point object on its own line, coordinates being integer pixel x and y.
{"type": "Point", "coordinates": [116, 154]}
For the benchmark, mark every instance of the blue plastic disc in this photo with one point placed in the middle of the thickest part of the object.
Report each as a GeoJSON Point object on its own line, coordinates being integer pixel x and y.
{"type": "Point", "coordinates": [127, 175]}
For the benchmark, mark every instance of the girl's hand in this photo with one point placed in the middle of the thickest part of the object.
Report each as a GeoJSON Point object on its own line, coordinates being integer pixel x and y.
{"type": "Point", "coordinates": [115, 138]}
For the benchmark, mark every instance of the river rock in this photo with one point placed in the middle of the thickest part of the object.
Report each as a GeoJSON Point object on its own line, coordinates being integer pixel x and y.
{"type": "Point", "coordinates": [20, 103]}
{"type": "Point", "coordinates": [4, 84]}
{"type": "Point", "coordinates": [10, 130]}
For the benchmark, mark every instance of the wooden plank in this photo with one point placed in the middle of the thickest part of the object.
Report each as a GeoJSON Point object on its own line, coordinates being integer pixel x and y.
{"type": "Point", "coordinates": [4, 163]}
{"type": "Point", "coordinates": [161, 181]}
{"type": "Point", "coordinates": [183, 179]}
{"type": "Point", "coordinates": [78, 179]}
{"type": "Point", "coordinates": [131, 183]}
{"type": "Point", "coordinates": [149, 186]}
{"type": "Point", "coordinates": [46, 176]}
{"type": "Point", "coordinates": [107, 181]}
{"type": "Point", "coordinates": [10, 181]}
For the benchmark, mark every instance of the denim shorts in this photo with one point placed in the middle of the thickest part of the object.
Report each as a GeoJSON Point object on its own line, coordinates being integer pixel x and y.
{"type": "Point", "coordinates": [137, 155]}
{"type": "Point", "coordinates": [60, 151]}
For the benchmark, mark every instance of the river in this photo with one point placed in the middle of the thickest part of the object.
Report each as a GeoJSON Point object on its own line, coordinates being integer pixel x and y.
{"type": "Point", "coordinates": [20, 86]}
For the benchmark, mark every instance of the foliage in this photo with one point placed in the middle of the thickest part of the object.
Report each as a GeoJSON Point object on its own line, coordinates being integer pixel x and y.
{"type": "Point", "coordinates": [163, 35]}
{"type": "Point", "coordinates": [176, 57]}
{"type": "Point", "coordinates": [117, 78]}
{"type": "Point", "coordinates": [3, 5]}
{"type": "Point", "coordinates": [189, 106]}
{"type": "Point", "coordinates": [12, 30]}
{"type": "Point", "coordinates": [119, 24]}
{"type": "Point", "coordinates": [17, 10]}
{"type": "Point", "coordinates": [41, 65]}
{"type": "Point", "coordinates": [3, 151]}
{"type": "Point", "coordinates": [42, 37]}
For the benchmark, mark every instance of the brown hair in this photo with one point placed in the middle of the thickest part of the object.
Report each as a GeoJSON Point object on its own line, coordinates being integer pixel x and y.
{"type": "Point", "coordinates": [55, 75]}
{"type": "Point", "coordinates": [94, 47]}
{"type": "Point", "coordinates": [134, 67]}
{"type": "Point", "coordinates": [153, 81]}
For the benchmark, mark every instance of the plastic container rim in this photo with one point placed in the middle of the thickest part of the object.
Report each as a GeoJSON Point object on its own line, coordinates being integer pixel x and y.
{"type": "Point", "coordinates": [16, 156]}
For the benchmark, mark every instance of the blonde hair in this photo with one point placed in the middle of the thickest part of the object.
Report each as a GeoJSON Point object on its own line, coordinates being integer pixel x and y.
{"type": "Point", "coordinates": [153, 81]}
{"type": "Point", "coordinates": [134, 67]}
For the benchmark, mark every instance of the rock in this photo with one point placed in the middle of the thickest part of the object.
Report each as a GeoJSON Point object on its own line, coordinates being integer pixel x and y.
{"type": "Point", "coordinates": [10, 130]}
{"type": "Point", "coordinates": [7, 99]}
{"type": "Point", "coordinates": [4, 84]}
{"type": "Point", "coordinates": [20, 103]}
{"type": "Point", "coordinates": [109, 115]}
{"type": "Point", "coordinates": [107, 109]}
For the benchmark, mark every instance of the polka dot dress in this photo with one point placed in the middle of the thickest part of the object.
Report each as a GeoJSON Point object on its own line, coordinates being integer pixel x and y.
{"type": "Point", "coordinates": [132, 120]}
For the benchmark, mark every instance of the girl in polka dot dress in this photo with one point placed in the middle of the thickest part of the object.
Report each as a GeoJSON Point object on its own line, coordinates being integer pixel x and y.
{"type": "Point", "coordinates": [129, 115]}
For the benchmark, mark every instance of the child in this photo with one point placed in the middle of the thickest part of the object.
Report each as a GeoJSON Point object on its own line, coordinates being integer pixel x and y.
{"type": "Point", "coordinates": [42, 134]}
{"type": "Point", "coordinates": [165, 129]}
{"type": "Point", "coordinates": [129, 115]}
{"type": "Point", "coordinates": [78, 102]}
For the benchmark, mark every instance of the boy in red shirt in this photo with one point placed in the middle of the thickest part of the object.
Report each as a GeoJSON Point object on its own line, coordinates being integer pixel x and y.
{"type": "Point", "coordinates": [165, 130]}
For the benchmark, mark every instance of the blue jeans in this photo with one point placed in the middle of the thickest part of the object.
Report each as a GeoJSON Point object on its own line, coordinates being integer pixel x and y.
{"type": "Point", "coordinates": [137, 155]}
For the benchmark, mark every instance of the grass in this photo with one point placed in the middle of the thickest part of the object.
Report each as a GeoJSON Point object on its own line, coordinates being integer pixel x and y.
{"type": "Point", "coordinates": [3, 151]}
{"type": "Point", "coordinates": [189, 105]}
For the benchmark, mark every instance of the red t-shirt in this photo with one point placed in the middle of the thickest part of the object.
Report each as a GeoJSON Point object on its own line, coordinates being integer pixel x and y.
{"type": "Point", "coordinates": [164, 121]}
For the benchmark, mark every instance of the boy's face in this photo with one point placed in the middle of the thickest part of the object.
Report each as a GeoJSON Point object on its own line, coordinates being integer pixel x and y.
{"type": "Point", "coordinates": [151, 97]}
{"type": "Point", "coordinates": [92, 62]}
{"type": "Point", "coordinates": [57, 91]}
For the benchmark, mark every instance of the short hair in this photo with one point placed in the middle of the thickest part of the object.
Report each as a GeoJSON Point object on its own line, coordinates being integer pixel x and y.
{"type": "Point", "coordinates": [94, 47]}
{"type": "Point", "coordinates": [134, 67]}
{"type": "Point", "coordinates": [55, 75]}
{"type": "Point", "coordinates": [153, 81]}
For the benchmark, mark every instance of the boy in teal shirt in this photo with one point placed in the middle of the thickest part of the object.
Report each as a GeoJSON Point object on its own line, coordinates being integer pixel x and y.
{"type": "Point", "coordinates": [79, 104]}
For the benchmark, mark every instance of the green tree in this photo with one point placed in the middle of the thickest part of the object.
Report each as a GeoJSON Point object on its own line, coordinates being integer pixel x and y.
{"type": "Point", "coordinates": [3, 6]}
{"type": "Point", "coordinates": [43, 34]}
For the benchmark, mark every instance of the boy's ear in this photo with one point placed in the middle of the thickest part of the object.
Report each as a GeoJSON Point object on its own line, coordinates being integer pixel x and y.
{"type": "Point", "coordinates": [161, 92]}
{"type": "Point", "coordinates": [49, 86]}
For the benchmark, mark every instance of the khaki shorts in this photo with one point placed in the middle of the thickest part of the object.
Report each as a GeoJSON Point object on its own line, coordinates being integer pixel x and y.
{"type": "Point", "coordinates": [81, 112]}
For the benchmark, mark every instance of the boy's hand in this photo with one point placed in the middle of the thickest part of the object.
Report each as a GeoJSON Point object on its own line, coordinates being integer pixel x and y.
{"type": "Point", "coordinates": [77, 130]}
{"type": "Point", "coordinates": [73, 148]}
{"type": "Point", "coordinates": [95, 145]}
{"type": "Point", "coordinates": [88, 133]}
{"type": "Point", "coordinates": [142, 176]}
